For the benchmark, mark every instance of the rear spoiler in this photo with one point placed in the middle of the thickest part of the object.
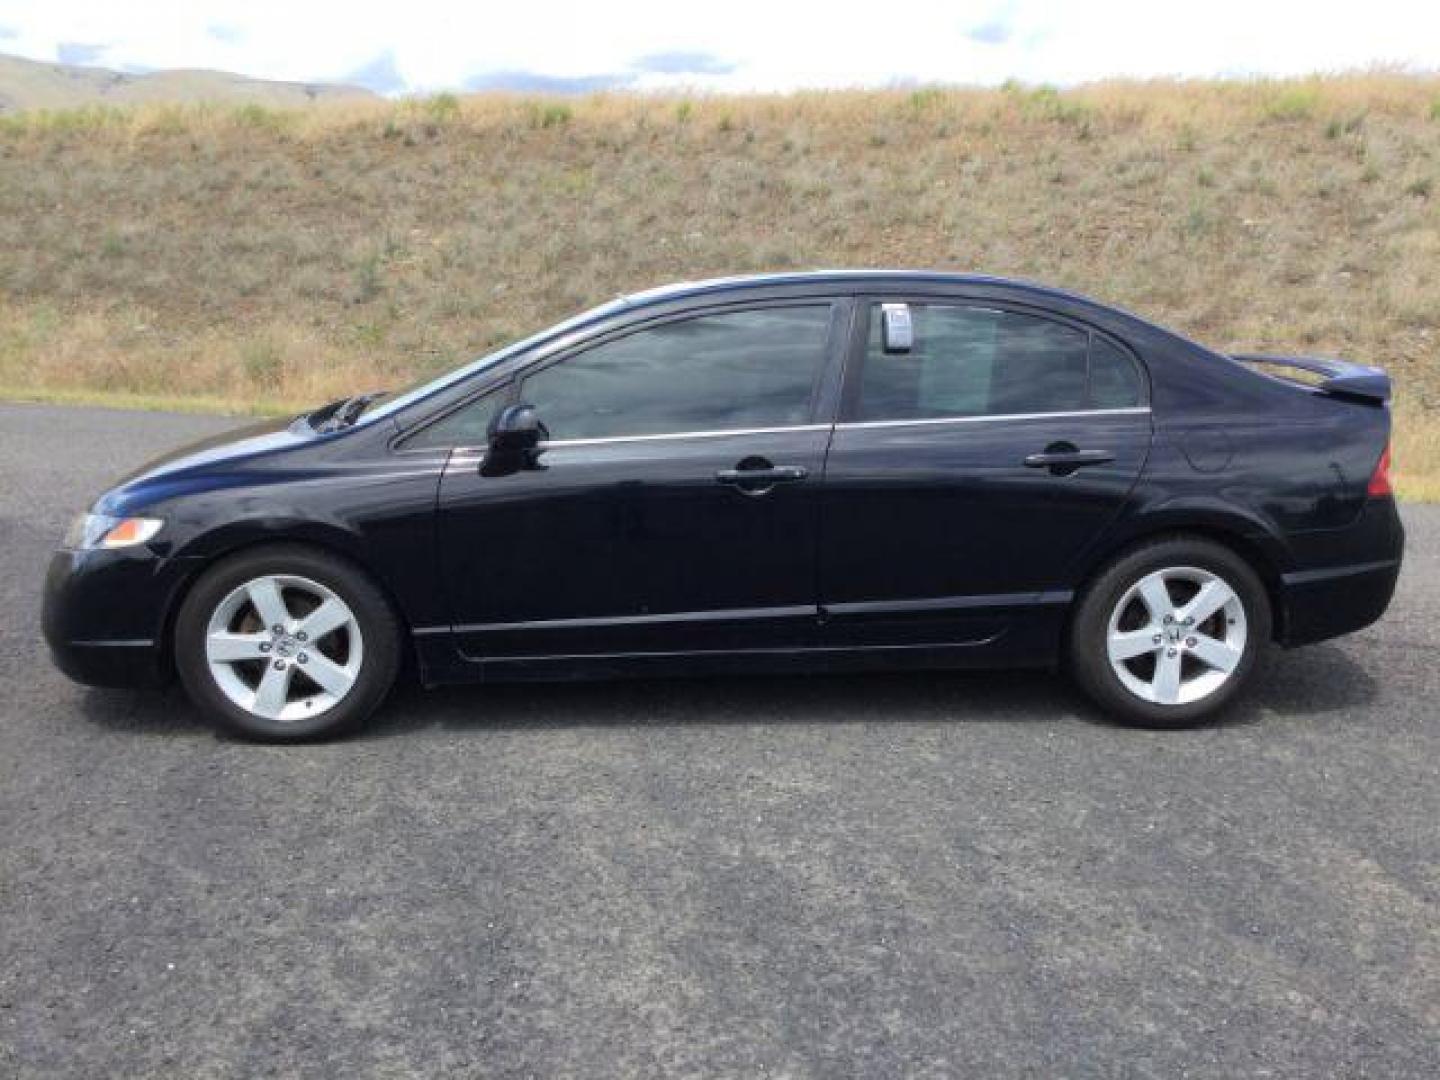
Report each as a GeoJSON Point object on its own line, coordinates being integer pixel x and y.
{"type": "Point", "coordinates": [1338, 378]}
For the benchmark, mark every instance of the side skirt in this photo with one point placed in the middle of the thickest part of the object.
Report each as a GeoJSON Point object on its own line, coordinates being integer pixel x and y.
{"type": "Point", "coordinates": [1027, 643]}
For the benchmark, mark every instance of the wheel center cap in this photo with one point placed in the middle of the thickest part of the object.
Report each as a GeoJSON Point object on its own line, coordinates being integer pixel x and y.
{"type": "Point", "coordinates": [285, 645]}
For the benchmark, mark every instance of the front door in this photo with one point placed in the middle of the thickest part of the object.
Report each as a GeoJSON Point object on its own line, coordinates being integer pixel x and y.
{"type": "Point", "coordinates": [673, 505]}
{"type": "Point", "coordinates": [969, 471]}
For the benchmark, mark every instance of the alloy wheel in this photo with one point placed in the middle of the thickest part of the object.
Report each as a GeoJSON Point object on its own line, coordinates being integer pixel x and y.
{"type": "Point", "coordinates": [284, 647]}
{"type": "Point", "coordinates": [1177, 635]}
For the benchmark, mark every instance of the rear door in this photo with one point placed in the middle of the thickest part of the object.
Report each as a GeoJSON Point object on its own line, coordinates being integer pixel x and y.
{"type": "Point", "coordinates": [969, 472]}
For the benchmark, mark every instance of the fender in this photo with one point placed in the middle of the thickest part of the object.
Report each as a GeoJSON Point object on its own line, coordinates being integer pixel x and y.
{"type": "Point", "coordinates": [1242, 528]}
{"type": "Point", "coordinates": [276, 528]}
{"type": "Point", "coordinates": [411, 594]}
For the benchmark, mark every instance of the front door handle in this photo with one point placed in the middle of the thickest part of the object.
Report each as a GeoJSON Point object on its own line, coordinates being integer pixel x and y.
{"type": "Point", "coordinates": [1064, 458]}
{"type": "Point", "coordinates": [756, 476]}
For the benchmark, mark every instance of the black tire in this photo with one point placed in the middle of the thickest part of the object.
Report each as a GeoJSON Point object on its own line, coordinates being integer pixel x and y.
{"type": "Point", "coordinates": [378, 626]}
{"type": "Point", "coordinates": [1087, 648]}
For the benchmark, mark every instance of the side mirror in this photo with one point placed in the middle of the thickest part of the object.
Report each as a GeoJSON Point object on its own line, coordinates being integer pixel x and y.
{"type": "Point", "coordinates": [515, 429]}
{"type": "Point", "coordinates": [898, 334]}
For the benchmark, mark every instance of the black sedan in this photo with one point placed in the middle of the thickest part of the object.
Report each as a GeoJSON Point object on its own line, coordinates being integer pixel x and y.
{"type": "Point", "coordinates": [791, 472]}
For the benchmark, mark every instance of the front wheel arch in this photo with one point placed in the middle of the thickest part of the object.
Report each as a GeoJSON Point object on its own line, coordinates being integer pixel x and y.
{"type": "Point", "coordinates": [384, 636]}
{"type": "Point", "coordinates": [249, 545]}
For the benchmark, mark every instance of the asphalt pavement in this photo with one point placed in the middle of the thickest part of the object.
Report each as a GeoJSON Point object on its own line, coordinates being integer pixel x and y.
{"type": "Point", "coordinates": [882, 876]}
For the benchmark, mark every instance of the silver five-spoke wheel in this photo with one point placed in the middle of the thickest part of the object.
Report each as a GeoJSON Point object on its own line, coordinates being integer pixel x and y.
{"type": "Point", "coordinates": [1177, 635]}
{"type": "Point", "coordinates": [284, 647]}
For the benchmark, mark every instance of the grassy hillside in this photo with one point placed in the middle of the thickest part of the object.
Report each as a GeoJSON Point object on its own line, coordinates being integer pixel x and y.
{"type": "Point", "coordinates": [30, 84]}
{"type": "Point", "coordinates": [245, 256]}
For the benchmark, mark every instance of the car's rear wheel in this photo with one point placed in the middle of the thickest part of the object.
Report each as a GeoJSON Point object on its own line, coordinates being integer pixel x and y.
{"type": "Point", "coordinates": [286, 643]}
{"type": "Point", "coordinates": [1169, 633]}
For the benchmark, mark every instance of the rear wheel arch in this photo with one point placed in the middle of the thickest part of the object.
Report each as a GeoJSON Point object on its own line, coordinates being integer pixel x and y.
{"type": "Point", "coordinates": [1176, 674]}
{"type": "Point", "coordinates": [1263, 557]}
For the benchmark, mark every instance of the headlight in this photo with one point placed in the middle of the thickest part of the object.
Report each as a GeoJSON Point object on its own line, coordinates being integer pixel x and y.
{"type": "Point", "coordinates": [103, 531]}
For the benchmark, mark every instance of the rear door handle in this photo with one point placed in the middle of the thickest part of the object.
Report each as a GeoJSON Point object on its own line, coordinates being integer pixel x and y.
{"type": "Point", "coordinates": [1064, 459]}
{"type": "Point", "coordinates": [1069, 457]}
{"type": "Point", "coordinates": [761, 478]}
{"type": "Point", "coordinates": [775, 474]}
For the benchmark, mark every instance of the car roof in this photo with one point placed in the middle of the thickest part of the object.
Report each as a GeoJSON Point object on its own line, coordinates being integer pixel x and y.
{"type": "Point", "coordinates": [1018, 289]}
{"type": "Point", "coordinates": [848, 278]}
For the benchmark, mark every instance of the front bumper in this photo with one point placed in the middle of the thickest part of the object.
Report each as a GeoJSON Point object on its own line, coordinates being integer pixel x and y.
{"type": "Point", "coordinates": [105, 614]}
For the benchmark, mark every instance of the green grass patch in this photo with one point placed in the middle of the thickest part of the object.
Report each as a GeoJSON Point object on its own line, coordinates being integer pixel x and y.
{"type": "Point", "coordinates": [1293, 103]}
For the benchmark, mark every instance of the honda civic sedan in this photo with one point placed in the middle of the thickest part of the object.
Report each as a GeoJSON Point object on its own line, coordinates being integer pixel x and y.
{"type": "Point", "coordinates": [821, 471]}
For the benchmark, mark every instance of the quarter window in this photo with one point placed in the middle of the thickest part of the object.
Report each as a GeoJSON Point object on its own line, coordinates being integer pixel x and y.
{"type": "Point", "coordinates": [742, 369]}
{"type": "Point", "coordinates": [468, 425]}
{"type": "Point", "coordinates": [1114, 382]}
{"type": "Point", "coordinates": [971, 361]}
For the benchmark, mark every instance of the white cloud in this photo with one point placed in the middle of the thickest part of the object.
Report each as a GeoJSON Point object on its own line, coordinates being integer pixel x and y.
{"type": "Point", "coordinates": [425, 45]}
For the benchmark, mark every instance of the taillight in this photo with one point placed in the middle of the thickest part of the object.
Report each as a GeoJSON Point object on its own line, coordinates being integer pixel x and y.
{"type": "Point", "coordinates": [1380, 479]}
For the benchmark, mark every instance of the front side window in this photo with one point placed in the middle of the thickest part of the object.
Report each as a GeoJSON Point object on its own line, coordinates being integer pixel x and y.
{"type": "Point", "coordinates": [740, 369]}
{"type": "Point", "coordinates": [972, 361]}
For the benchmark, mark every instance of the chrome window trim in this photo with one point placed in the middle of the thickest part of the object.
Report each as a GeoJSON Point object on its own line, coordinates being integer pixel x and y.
{"type": "Point", "coordinates": [1129, 410]}
{"type": "Point", "coordinates": [550, 443]}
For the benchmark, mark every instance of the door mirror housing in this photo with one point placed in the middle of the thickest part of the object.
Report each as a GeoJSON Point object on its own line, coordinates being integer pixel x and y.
{"type": "Point", "coordinates": [516, 428]}
{"type": "Point", "coordinates": [898, 330]}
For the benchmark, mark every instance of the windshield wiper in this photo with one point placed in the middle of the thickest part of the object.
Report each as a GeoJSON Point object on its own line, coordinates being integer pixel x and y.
{"type": "Point", "coordinates": [345, 412]}
{"type": "Point", "coordinates": [316, 416]}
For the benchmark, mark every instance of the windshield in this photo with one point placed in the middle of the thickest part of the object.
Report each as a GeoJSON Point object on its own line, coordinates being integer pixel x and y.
{"type": "Point", "coordinates": [418, 391]}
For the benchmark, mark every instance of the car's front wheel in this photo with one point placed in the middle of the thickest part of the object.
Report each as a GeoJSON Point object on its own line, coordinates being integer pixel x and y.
{"type": "Point", "coordinates": [286, 643]}
{"type": "Point", "coordinates": [1170, 632]}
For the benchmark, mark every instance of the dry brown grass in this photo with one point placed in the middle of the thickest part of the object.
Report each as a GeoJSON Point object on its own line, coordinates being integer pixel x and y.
{"type": "Point", "coordinates": [1417, 453]}
{"type": "Point", "coordinates": [246, 255]}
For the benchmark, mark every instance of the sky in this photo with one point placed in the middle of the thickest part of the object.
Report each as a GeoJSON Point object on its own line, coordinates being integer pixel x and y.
{"type": "Point", "coordinates": [426, 46]}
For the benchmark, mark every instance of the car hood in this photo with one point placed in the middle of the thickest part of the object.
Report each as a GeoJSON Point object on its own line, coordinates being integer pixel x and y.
{"type": "Point", "coordinates": [166, 475]}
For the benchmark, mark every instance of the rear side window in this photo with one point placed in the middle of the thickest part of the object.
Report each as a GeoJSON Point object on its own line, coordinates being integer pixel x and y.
{"type": "Point", "coordinates": [731, 370]}
{"type": "Point", "coordinates": [971, 361]}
